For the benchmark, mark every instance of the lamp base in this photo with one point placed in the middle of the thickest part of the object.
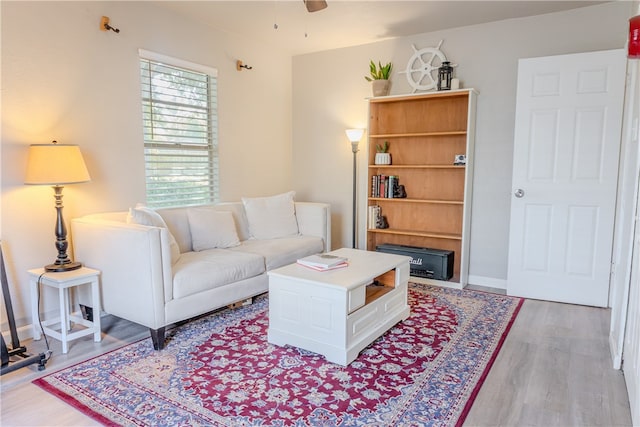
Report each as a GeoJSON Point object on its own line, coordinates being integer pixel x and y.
{"type": "Point", "coordinates": [59, 268]}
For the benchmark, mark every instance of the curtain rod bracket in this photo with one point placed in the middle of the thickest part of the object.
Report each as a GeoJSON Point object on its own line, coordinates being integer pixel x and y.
{"type": "Point", "coordinates": [240, 66]}
{"type": "Point", "coordinates": [104, 25]}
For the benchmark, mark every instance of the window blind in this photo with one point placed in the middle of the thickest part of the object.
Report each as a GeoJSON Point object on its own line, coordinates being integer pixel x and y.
{"type": "Point", "coordinates": [179, 111]}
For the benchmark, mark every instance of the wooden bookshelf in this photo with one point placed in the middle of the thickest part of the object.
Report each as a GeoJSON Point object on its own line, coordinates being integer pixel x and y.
{"type": "Point", "coordinates": [425, 132]}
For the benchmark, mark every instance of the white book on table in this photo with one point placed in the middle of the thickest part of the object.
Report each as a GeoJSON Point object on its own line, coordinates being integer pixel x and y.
{"type": "Point", "coordinates": [322, 260]}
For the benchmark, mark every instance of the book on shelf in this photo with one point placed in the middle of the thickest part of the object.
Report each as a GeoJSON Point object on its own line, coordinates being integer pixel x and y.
{"type": "Point", "coordinates": [384, 186]}
{"type": "Point", "coordinates": [374, 214]}
{"type": "Point", "coordinates": [323, 262]}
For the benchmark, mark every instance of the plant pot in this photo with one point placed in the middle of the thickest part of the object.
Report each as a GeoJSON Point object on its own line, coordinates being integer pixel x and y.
{"type": "Point", "coordinates": [383, 159]}
{"type": "Point", "coordinates": [381, 87]}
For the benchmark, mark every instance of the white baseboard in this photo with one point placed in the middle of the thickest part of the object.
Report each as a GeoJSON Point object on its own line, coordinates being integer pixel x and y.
{"type": "Point", "coordinates": [24, 333]}
{"type": "Point", "coordinates": [489, 282]}
{"type": "Point", "coordinates": [615, 357]}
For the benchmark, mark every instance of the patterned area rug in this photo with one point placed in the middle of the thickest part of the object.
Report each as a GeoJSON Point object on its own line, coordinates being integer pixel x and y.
{"type": "Point", "coordinates": [220, 371]}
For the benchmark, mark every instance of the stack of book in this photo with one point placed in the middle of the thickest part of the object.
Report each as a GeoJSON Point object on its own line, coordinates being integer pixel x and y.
{"type": "Point", "coordinates": [384, 185]}
{"type": "Point", "coordinates": [374, 214]}
{"type": "Point", "coordinates": [323, 262]}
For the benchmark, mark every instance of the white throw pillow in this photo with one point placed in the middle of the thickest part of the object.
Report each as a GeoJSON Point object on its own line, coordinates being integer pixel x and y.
{"type": "Point", "coordinates": [145, 216]}
{"type": "Point", "coordinates": [271, 217]}
{"type": "Point", "coordinates": [212, 229]}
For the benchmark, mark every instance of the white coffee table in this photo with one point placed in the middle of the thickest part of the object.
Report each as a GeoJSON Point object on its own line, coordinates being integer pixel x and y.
{"type": "Point", "coordinates": [337, 313]}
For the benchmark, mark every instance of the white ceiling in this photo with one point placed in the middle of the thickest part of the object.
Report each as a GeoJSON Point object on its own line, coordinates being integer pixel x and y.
{"type": "Point", "coordinates": [350, 22]}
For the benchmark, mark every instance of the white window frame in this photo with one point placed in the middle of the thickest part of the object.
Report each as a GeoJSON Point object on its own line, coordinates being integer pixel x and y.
{"type": "Point", "coordinates": [157, 150]}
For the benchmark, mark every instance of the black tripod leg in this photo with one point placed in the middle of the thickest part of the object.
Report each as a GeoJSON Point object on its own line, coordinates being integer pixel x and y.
{"type": "Point", "coordinates": [17, 350]}
{"type": "Point", "coordinates": [5, 352]}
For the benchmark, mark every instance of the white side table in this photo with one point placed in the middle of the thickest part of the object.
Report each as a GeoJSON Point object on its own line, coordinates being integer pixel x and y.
{"type": "Point", "coordinates": [63, 281]}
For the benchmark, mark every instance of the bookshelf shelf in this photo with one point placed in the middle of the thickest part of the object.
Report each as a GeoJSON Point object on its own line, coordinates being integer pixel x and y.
{"type": "Point", "coordinates": [405, 200]}
{"type": "Point", "coordinates": [399, 98]}
{"type": "Point", "coordinates": [416, 167]}
{"type": "Point", "coordinates": [425, 133]}
{"type": "Point", "coordinates": [416, 233]}
{"type": "Point", "coordinates": [419, 134]}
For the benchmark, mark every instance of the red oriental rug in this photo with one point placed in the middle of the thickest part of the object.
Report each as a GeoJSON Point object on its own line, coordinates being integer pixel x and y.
{"type": "Point", "coordinates": [220, 371]}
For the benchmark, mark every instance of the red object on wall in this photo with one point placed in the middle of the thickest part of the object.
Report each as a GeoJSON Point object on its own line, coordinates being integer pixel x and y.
{"type": "Point", "coordinates": [634, 37]}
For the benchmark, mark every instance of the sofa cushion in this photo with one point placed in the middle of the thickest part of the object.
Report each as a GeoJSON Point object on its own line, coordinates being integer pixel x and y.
{"type": "Point", "coordinates": [271, 217]}
{"type": "Point", "coordinates": [212, 229]}
{"type": "Point", "coordinates": [145, 216]}
{"type": "Point", "coordinates": [178, 223]}
{"type": "Point", "coordinates": [282, 251]}
{"type": "Point", "coordinates": [200, 271]}
{"type": "Point", "coordinates": [239, 215]}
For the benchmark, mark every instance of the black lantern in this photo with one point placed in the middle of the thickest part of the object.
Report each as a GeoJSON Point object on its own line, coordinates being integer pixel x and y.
{"type": "Point", "coordinates": [445, 73]}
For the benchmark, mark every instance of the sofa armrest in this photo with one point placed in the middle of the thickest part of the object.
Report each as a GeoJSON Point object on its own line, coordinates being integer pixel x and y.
{"type": "Point", "coordinates": [314, 219]}
{"type": "Point", "coordinates": [135, 265]}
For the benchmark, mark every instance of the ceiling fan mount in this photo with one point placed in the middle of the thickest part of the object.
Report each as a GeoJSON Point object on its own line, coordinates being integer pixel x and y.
{"type": "Point", "coordinates": [315, 5]}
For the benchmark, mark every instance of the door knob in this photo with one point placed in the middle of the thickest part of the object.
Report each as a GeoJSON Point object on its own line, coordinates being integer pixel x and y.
{"type": "Point", "coordinates": [519, 193]}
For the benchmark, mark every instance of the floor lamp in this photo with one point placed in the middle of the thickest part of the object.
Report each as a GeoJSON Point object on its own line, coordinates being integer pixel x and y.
{"type": "Point", "coordinates": [57, 165]}
{"type": "Point", "coordinates": [354, 136]}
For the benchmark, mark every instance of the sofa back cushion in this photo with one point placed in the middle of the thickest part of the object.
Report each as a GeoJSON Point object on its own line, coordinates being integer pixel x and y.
{"type": "Point", "coordinates": [271, 217]}
{"type": "Point", "coordinates": [149, 217]}
{"type": "Point", "coordinates": [178, 224]}
{"type": "Point", "coordinates": [212, 228]}
{"type": "Point", "coordinates": [239, 216]}
{"type": "Point", "coordinates": [177, 220]}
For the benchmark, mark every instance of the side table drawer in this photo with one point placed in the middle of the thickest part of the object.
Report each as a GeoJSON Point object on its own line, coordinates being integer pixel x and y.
{"type": "Point", "coordinates": [363, 321]}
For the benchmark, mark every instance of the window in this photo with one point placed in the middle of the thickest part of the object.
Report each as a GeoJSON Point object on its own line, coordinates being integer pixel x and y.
{"type": "Point", "coordinates": [179, 114]}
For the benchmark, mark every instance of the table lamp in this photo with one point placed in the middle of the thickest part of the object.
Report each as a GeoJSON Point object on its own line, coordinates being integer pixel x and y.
{"type": "Point", "coordinates": [57, 164]}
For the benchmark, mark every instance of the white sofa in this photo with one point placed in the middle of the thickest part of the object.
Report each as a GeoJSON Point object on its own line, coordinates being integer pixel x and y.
{"type": "Point", "coordinates": [142, 281]}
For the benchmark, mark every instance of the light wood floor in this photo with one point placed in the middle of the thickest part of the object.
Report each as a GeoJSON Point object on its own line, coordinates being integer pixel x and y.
{"type": "Point", "coordinates": [554, 370]}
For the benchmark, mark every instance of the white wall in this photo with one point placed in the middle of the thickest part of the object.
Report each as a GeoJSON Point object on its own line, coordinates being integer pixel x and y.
{"type": "Point", "coordinates": [64, 79]}
{"type": "Point", "coordinates": [329, 94]}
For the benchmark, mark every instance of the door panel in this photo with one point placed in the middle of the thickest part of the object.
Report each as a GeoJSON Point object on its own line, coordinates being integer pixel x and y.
{"type": "Point", "coordinates": [537, 228]}
{"type": "Point", "coordinates": [565, 168]}
{"type": "Point", "coordinates": [581, 246]}
{"type": "Point", "coordinates": [543, 150]}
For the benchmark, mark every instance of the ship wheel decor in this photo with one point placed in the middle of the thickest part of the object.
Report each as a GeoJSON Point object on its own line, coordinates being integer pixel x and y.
{"type": "Point", "coordinates": [422, 67]}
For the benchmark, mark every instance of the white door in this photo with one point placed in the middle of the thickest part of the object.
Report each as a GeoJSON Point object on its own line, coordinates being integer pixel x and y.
{"type": "Point", "coordinates": [631, 363]}
{"type": "Point", "coordinates": [565, 169]}
{"type": "Point", "coordinates": [628, 182]}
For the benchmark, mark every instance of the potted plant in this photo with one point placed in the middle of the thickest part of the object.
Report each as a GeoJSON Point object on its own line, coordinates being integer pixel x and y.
{"type": "Point", "coordinates": [382, 155]}
{"type": "Point", "coordinates": [379, 78]}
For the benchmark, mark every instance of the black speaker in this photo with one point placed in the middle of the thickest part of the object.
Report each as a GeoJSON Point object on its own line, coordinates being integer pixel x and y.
{"type": "Point", "coordinates": [425, 262]}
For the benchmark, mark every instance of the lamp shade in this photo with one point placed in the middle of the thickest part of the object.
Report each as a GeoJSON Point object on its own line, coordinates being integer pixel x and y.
{"type": "Point", "coordinates": [55, 164]}
{"type": "Point", "coordinates": [354, 135]}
